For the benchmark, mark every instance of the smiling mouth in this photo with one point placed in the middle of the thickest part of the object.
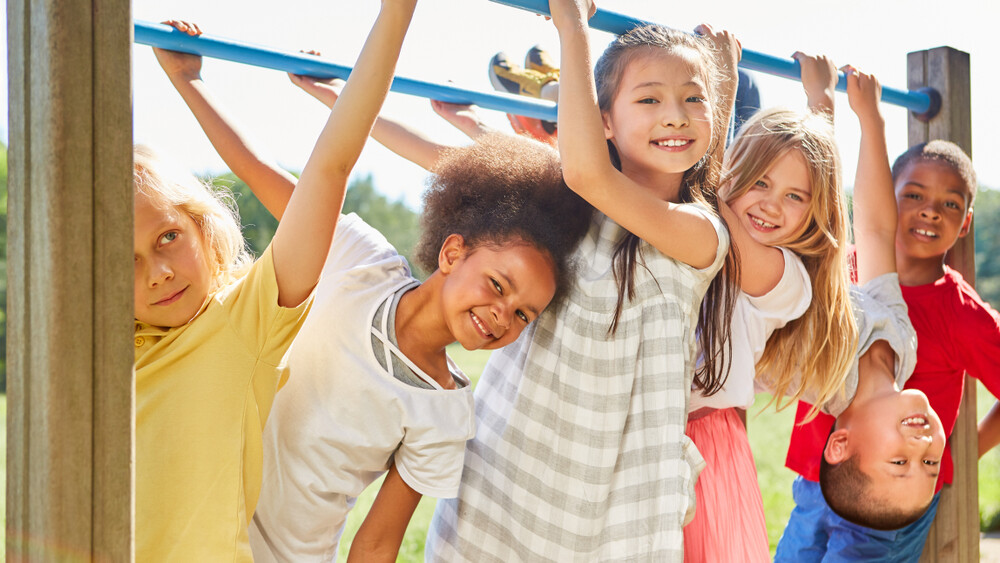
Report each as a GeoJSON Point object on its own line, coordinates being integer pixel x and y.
{"type": "Point", "coordinates": [673, 143]}
{"type": "Point", "coordinates": [925, 233]}
{"type": "Point", "coordinates": [916, 421]}
{"type": "Point", "coordinates": [761, 223]}
{"type": "Point", "coordinates": [172, 298]}
{"type": "Point", "coordinates": [485, 332]}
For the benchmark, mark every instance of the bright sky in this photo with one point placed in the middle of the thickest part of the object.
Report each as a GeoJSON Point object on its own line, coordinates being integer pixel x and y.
{"type": "Point", "coordinates": [454, 40]}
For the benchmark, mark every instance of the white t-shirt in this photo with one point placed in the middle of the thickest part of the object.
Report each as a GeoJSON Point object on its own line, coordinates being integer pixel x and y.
{"type": "Point", "coordinates": [754, 320]}
{"type": "Point", "coordinates": [342, 418]}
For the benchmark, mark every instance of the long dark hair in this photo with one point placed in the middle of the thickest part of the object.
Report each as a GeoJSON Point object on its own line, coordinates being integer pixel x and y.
{"type": "Point", "coordinates": [698, 185]}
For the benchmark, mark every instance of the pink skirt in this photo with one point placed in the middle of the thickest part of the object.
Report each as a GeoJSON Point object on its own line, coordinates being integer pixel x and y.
{"type": "Point", "coordinates": [728, 523]}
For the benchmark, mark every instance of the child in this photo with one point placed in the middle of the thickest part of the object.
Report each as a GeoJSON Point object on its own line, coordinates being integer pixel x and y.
{"type": "Point", "coordinates": [371, 388]}
{"type": "Point", "coordinates": [210, 338]}
{"type": "Point", "coordinates": [788, 215]}
{"type": "Point", "coordinates": [935, 187]}
{"type": "Point", "coordinates": [580, 452]}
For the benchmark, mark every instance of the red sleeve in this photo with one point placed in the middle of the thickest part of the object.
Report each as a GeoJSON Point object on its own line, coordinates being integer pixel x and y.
{"type": "Point", "coordinates": [805, 449]}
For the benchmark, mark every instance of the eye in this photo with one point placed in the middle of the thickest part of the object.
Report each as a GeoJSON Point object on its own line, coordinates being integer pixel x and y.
{"type": "Point", "coordinates": [898, 462]}
{"type": "Point", "coordinates": [931, 462]}
{"type": "Point", "coordinates": [912, 196]}
{"type": "Point", "coordinates": [167, 238]}
{"type": "Point", "coordinates": [760, 184]}
{"type": "Point", "coordinates": [952, 205]}
{"type": "Point", "coordinates": [795, 197]}
{"type": "Point", "coordinates": [497, 286]}
{"type": "Point", "coordinates": [648, 101]}
{"type": "Point", "coordinates": [520, 314]}
{"type": "Point", "coordinates": [695, 99]}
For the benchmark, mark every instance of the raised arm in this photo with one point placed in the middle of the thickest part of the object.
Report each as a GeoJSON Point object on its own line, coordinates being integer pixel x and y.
{"type": "Point", "coordinates": [674, 229]}
{"type": "Point", "coordinates": [272, 185]}
{"type": "Point", "coordinates": [303, 238]}
{"type": "Point", "coordinates": [819, 80]}
{"type": "Point", "coordinates": [394, 135]}
{"type": "Point", "coordinates": [875, 213]}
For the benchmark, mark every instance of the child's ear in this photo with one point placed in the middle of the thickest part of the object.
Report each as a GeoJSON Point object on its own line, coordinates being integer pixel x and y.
{"type": "Point", "coordinates": [452, 250]}
{"type": "Point", "coordinates": [836, 449]}
{"type": "Point", "coordinates": [606, 119]}
{"type": "Point", "coordinates": [966, 225]}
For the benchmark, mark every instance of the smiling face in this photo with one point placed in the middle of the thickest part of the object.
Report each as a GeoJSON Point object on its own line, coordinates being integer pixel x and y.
{"type": "Point", "coordinates": [933, 202]}
{"type": "Point", "coordinates": [491, 293]}
{"type": "Point", "coordinates": [898, 440]}
{"type": "Point", "coordinates": [660, 120]}
{"type": "Point", "coordinates": [777, 206]}
{"type": "Point", "coordinates": [172, 272]}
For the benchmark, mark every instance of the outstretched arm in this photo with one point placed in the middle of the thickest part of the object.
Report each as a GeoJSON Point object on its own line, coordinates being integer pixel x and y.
{"type": "Point", "coordinates": [303, 238]}
{"type": "Point", "coordinates": [382, 532]}
{"type": "Point", "coordinates": [875, 214]}
{"type": "Point", "coordinates": [674, 229]}
{"type": "Point", "coordinates": [272, 185]}
{"type": "Point", "coordinates": [396, 136]}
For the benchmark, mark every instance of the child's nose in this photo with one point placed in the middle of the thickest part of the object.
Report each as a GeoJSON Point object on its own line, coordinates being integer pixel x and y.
{"type": "Point", "coordinates": [502, 316]}
{"type": "Point", "coordinates": [673, 115]}
{"type": "Point", "coordinates": [930, 211]}
{"type": "Point", "coordinates": [159, 272]}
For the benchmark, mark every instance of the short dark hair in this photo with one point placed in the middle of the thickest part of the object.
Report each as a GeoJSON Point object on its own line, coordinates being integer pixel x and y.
{"type": "Point", "coordinates": [945, 152]}
{"type": "Point", "coordinates": [849, 493]}
{"type": "Point", "coordinates": [499, 190]}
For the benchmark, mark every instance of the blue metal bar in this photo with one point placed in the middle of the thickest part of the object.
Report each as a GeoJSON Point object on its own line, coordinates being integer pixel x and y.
{"type": "Point", "coordinates": [916, 101]}
{"type": "Point", "coordinates": [166, 37]}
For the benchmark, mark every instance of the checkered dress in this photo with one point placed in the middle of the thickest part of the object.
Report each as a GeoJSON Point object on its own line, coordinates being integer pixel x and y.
{"type": "Point", "coordinates": [580, 452]}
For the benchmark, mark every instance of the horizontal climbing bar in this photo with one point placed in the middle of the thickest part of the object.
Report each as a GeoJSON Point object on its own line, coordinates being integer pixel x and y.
{"type": "Point", "coordinates": [919, 102]}
{"type": "Point", "coordinates": [166, 37]}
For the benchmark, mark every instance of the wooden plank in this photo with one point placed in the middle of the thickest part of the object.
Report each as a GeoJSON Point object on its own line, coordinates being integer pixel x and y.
{"type": "Point", "coordinates": [954, 536]}
{"type": "Point", "coordinates": [69, 471]}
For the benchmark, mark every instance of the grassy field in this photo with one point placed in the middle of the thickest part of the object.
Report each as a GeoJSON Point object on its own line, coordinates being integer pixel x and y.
{"type": "Point", "coordinates": [769, 433]}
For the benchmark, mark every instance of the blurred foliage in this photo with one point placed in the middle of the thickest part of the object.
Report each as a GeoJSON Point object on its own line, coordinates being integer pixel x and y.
{"type": "Point", "coordinates": [397, 222]}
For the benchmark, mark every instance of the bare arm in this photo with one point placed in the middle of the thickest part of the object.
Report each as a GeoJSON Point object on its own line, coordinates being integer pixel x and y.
{"type": "Point", "coordinates": [989, 430]}
{"type": "Point", "coordinates": [272, 185]}
{"type": "Point", "coordinates": [819, 80]}
{"type": "Point", "coordinates": [676, 230]}
{"type": "Point", "coordinates": [303, 238]}
{"type": "Point", "coordinates": [874, 201]}
{"type": "Point", "coordinates": [380, 535]}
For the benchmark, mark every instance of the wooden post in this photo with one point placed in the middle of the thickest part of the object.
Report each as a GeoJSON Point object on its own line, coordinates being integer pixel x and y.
{"type": "Point", "coordinates": [70, 387]}
{"type": "Point", "coordinates": [955, 533]}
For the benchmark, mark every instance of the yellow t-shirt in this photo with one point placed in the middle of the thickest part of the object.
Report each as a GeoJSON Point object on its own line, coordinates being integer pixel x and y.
{"type": "Point", "coordinates": [203, 393]}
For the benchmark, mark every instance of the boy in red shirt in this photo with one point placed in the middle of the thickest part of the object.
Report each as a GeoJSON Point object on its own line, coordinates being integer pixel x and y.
{"type": "Point", "coordinates": [957, 332]}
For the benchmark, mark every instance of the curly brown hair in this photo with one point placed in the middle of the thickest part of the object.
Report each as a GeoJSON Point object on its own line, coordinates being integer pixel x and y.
{"type": "Point", "coordinates": [504, 190]}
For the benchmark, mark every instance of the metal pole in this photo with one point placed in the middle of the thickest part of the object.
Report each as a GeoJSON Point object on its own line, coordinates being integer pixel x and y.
{"type": "Point", "coordinates": [166, 37]}
{"type": "Point", "coordinates": [920, 102]}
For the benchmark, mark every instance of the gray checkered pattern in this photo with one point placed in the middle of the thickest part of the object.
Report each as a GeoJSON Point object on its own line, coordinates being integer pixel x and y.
{"type": "Point", "coordinates": [580, 452]}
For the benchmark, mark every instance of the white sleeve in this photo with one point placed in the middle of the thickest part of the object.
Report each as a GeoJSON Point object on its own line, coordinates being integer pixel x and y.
{"type": "Point", "coordinates": [432, 454]}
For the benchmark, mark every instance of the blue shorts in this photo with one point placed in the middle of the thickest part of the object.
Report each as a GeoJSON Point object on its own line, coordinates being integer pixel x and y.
{"type": "Point", "coordinates": [815, 534]}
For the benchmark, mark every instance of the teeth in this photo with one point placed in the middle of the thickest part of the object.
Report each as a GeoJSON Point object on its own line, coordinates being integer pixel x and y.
{"type": "Point", "coordinates": [763, 223]}
{"type": "Point", "coordinates": [672, 143]}
{"type": "Point", "coordinates": [925, 233]}
{"type": "Point", "coordinates": [915, 421]}
{"type": "Point", "coordinates": [480, 324]}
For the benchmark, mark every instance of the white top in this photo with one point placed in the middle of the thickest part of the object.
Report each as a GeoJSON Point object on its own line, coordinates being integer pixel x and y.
{"type": "Point", "coordinates": [342, 418]}
{"type": "Point", "coordinates": [754, 320]}
{"type": "Point", "coordinates": [881, 314]}
{"type": "Point", "coordinates": [580, 452]}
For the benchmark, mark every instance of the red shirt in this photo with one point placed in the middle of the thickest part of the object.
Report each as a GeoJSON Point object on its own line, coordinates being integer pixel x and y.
{"type": "Point", "coordinates": [956, 333]}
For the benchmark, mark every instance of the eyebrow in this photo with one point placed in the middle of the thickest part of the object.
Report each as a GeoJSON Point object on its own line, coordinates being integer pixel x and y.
{"type": "Point", "coordinates": [652, 83]}
{"type": "Point", "coordinates": [513, 287]}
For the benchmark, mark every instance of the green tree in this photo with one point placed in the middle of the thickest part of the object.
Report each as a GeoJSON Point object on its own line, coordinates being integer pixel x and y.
{"type": "Point", "coordinates": [397, 222]}
{"type": "Point", "coordinates": [987, 231]}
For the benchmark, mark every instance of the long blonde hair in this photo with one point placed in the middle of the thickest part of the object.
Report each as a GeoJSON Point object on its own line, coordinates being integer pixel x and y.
{"type": "Point", "coordinates": [212, 209]}
{"type": "Point", "coordinates": [810, 355]}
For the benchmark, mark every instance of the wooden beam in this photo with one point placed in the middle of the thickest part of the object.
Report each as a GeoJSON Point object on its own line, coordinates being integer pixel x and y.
{"type": "Point", "coordinates": [954, 536]}
{"type": "Point", "coordinates": [70, 395]}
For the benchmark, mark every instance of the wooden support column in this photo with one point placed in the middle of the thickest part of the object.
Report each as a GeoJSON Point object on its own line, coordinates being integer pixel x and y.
{"type": "Point", "coordinates": [954, 536]}
{"type": "Point", "coordinates": [70, 386]}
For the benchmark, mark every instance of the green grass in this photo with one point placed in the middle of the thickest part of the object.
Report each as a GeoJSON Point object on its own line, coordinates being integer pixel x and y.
{"type": "Point", "coordinates": [769, 432]}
